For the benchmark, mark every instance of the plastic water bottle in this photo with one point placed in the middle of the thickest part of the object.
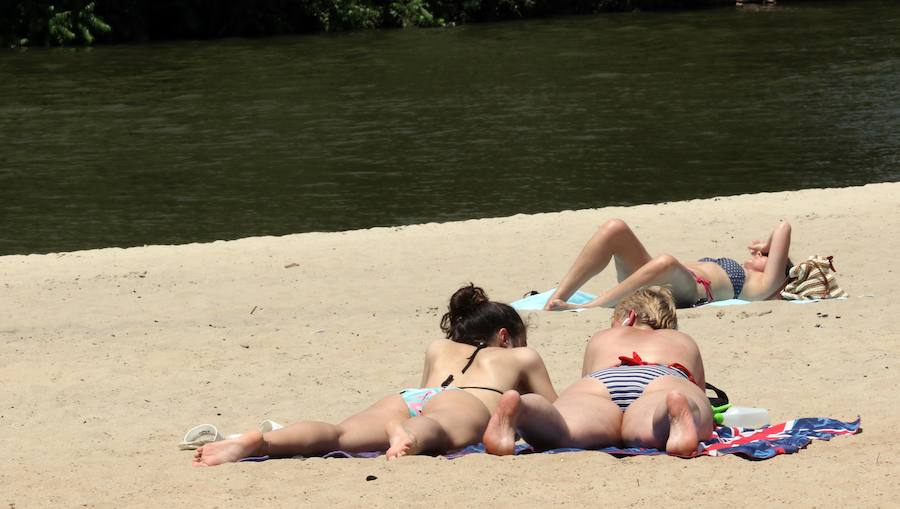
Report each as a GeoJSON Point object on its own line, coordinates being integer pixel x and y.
{"type": "Point", "coordinates": [746, 417]}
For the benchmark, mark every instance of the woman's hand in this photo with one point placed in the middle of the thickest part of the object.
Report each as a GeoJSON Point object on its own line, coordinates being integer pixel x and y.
{"type": "Point", "coordinates": [763, 248]}
{"type": "Point", "coordinates": [760, 247]}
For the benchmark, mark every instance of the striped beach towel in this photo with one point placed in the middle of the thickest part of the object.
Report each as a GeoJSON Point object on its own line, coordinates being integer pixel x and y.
{"type": "Point", "coordinates": [813, 279]}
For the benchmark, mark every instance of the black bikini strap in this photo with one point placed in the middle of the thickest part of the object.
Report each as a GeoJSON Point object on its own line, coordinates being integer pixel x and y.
{"type": "Point", "coordinates": [720, 399]}
{"type": "Point", "coordinates": [482, 388]}
{"type": "Point", "coordinates": [472, 358]}
{"type": "Point", "coordinates": [478, 348]}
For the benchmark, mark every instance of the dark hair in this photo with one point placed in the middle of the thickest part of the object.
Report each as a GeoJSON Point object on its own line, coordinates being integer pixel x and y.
{"type": "Point", "coordinates": [473, 318]}
{"type": "Point", "coordinates": [788, 265]}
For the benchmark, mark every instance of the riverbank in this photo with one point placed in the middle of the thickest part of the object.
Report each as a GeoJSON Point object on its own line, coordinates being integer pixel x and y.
{"type": "Point", "coordinates": [36, 23]}
{"type": "Point", "coordinates": [110, 355]}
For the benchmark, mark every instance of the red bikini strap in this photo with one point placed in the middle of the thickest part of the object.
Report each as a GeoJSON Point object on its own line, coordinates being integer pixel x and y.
{"type": "Point", "coordinates": [684, 370]}
{"type": "Point", "coordinates": [634, 360]}
{"type": "Point", "coordinates": [707, 285]}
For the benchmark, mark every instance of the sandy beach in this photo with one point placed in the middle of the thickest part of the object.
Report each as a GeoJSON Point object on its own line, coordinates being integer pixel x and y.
{"type": "Point", "coordinates": [108, 356]}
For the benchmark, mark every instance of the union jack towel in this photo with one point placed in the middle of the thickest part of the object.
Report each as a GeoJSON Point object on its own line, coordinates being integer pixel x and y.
{"type": "Point", "coordinates": [753, 444]}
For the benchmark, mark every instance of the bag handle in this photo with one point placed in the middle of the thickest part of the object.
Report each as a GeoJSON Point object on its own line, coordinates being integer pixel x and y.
{"type": "Point", "coordinates": [720, 399]}
{"type": "Point", "coordinates": [822, 274]}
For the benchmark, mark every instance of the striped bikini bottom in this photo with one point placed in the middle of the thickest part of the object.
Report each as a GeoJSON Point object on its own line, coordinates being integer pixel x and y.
{"type": "Point", "coordinates": [626, 383]}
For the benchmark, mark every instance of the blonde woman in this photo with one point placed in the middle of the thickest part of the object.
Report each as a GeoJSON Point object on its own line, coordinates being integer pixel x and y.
{"type": "Point", "coordinates": [642, 386]}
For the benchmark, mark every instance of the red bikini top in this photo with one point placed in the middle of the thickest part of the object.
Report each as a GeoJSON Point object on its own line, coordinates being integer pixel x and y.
{"type": "Point", "coordinates": [635, 360]}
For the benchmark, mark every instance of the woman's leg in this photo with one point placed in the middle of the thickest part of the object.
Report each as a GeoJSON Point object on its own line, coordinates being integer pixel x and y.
{"type": "Point", "coordinates": [364, 431]}
{"type": "Point", "coordinates": [662, 270]}
{"type": "Point", "coordinates": [582, 416]}
{"type": "Point", "coordinates": [451, 420]}
{"type": "Point", "coordinates": [672, 414]}
{"type": "Point", "coordinates": [537, 419]}
{"type": "Point", "coordinates": [593, 419]}
{"type": "Point", "coordinates": [614, 240]}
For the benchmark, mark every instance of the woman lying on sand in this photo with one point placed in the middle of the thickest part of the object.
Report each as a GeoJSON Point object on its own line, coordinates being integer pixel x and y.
{"type": "Point", "coordinates": [641, 388]}
{"type": "Point", "coordinates": [462, 383]}
{"type": "Point", "coordinates": [692, 283]}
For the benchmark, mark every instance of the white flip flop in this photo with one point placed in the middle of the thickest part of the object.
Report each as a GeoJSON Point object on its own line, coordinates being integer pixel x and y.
{"type": "Point", "coordinates": [268, 425]}
{"type": "Point", "coordinates": [200, 435]}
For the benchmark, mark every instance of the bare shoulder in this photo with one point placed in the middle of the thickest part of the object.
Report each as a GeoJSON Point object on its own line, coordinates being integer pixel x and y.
{"type": "Point", "coordinates": [612, 331]}
{"type": "Point", "coordinates": [675, 335]}
{"type": "Point", "coordinates": [678, 337]}
{"type": "Point", "coordinates": [604, 335]}
{"type": "Point", "coordinates": [435, 347]}
{"type": "Point", "coordinates": [526, 355]}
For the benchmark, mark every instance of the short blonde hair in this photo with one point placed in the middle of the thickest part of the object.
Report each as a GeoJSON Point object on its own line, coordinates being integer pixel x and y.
{"type": "Point", "coordinates": [654, 306]}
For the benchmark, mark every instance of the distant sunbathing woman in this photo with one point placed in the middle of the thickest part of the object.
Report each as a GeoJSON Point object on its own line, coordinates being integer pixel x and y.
{"type": "Point", "coordinates": [462, 383]}
{"type": "Point", "coordinates": [707, 280]}
{"type": "Point", "coordinates": [641, 387]}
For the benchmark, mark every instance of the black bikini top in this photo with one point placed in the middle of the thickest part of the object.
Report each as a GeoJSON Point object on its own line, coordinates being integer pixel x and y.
{"type": "Point", "coordinates": [471, 359]}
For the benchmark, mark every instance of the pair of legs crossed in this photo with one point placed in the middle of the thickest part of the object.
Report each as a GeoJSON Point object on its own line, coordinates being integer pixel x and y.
{"type": "Point", "coordinates": [671, 414]}
{"type": "Point", "coordinates": [450, 420]}
{"type": "Point", "coordinates": [635, 268]}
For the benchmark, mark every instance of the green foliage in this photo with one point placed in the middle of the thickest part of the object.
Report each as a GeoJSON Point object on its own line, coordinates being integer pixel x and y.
{"type": "Point", "coordinates": [75, 26]}
{"type": "Point", "coordinates": [44, 22]}
{"type": "Point", "coordinates": [336, 15]}
{"type": "Point", "coordinates": [73, 22]}
{"type": "Point", "coordinates": [413, 13]}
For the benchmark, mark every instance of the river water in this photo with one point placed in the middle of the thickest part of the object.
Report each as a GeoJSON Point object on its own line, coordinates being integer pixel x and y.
{"type": "Point", "coordinates": [195, 141]}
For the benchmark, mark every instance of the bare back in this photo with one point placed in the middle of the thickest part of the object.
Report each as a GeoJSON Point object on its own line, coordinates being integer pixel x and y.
{"type": "Point", "coordinates": [495, 368]}
{"type": "Point", "coordinates": [663, 346]}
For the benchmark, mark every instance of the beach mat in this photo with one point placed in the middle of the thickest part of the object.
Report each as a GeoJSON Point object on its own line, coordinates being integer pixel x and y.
{"type": "Point", "coordinates": [752, 444]}
{"type": "Point", "coordinates": [741, 302]}
{"type": "Point", "coordinates": [536, 302]}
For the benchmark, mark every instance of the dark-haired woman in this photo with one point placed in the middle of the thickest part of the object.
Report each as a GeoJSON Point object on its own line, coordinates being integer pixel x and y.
{"type": "Point", "coordinates": [692, 283]}
{"type": "Point", "coordinates": [462, 382]}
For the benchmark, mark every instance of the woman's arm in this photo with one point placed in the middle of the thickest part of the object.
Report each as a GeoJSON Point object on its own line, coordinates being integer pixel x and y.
{"type": "Point", "coordinates": [595, 349]}
{"type": "Point", "coordinates": [430, 353]}
{"type": "Point", "coordinates": [535, 378]}
{"type": "Point", "coordinates": [696, 360]}
{"type": "Point", "coordinates": [778, 247]}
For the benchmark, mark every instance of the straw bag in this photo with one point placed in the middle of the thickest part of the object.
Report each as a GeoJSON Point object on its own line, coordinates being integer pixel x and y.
{"type": "Point", "coordinates": [813, 279]}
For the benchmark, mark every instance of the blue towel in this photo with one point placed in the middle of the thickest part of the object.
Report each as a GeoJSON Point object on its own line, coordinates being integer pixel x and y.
{"type": "Point", "coordinates": [729, 302]}
{"type": "Point", "coordinates": [740, 302]}
{"type": "Point", "coordinates": [538, 301]}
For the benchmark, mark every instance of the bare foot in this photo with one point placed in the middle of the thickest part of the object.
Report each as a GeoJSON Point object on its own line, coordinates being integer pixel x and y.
{"type": "Point", "coordinates": [683, 438]}
{"type": "Point", "coordinates": [559, 305]}
{"type": "Point", "coordinates": [228, 451]}
{"type": "Point", "coordinates": [500, 435]}
{"type": "Point", "coordinates": [403, 443]}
